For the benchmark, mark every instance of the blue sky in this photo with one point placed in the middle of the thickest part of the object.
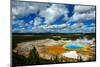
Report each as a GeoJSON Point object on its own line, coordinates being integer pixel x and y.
{"type": "Point", "coordinates": [29, 17]}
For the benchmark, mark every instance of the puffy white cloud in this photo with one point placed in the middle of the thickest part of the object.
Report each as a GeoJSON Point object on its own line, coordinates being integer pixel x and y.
{"type": "Point", "coordinates": [53, 12]}
{"type": "Point", "coordinates": [56, 26]}
{"type": "Point", "coordinates": [20, 9]}
{"type": "Point", "coordinates": [83, 8]}
{"type": "Point", "coordinates": [37, 21]}
{"type": "Point", "coordinates": [38, 30]}
{"type": "Point", "coordinates": [83, 17]}
{"type": "Point", "coordinates": [83, 13]}
{"type": "Point", "coordinates": [20, 23]}
{"type": "Point", "coordinates": [66, 18]}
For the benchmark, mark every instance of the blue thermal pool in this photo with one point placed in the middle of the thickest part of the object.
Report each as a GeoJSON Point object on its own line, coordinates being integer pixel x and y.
{"type": "Point", "coordinates": [74, 46]}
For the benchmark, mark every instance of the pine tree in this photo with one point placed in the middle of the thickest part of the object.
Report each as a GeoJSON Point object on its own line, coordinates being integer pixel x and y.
{"type": "Point", "coordinates": [56, 59]}
{"type": "Point", "coordinates": [34, 57]}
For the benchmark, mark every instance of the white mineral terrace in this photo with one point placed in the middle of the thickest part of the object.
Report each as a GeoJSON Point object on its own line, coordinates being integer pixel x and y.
{"type": "Point", "coordinates": [71, 54]}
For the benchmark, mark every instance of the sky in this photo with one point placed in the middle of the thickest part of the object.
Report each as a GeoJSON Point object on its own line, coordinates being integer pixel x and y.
{"type": "Point", "coordinates": [32, 17]}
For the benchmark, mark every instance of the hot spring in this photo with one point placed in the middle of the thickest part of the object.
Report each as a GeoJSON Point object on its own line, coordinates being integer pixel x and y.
{"type": "Point", "coordinates": [73, 46]}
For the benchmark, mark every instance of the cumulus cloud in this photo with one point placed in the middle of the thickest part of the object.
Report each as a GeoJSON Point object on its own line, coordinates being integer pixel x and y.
{"type": "Point", "coordinates": [83, 17]}
{"type": "Point", "coordinates": [50, 13]}
{"type": "Point", "coordinates": [53, 12]}
{"type": "Point", "coordinates": [83, 13]}
{"type": "Point", "coordinates": [20, 9]}
{"type": "Point", "coordinates": [84, 8]}
{"type": "Point", "coordinates": [37, 21]}
{"type": "Point", "coordinates": [55, 26]}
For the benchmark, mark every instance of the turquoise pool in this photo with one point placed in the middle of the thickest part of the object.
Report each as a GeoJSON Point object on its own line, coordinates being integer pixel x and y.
{"type": "Point", "coordinates": [74, 46]}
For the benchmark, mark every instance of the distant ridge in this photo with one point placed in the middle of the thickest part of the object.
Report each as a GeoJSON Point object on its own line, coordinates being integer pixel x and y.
{"type": "Point", "coordinates": [51, 33]}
